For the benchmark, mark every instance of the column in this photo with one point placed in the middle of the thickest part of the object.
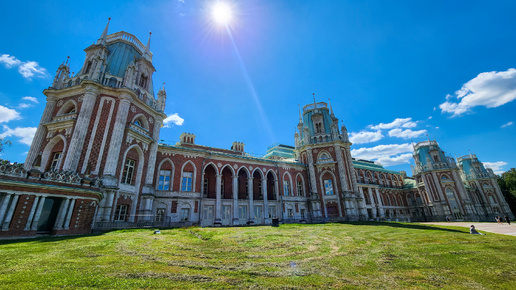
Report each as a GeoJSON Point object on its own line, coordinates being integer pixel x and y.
{"type": "Point", "coordinates": [62, 212]}
{"type": "Point", "coordinates": [31, 214]}
{"type": "Point", "coordinates": [75, 149]}
{"type": "Point", "coordinates": [340, 165]}
{"type": "Point", "coordinates": [266, 218]}
{"type": "Point", "coordinates": [363, 206]}
{"type": "Point", "coordinates": [3, 206]}
{"type": "Point", "coordinates": [117, 135]}
{"type": "Point", "coordinates": [153, 151]}
{"type": "Point", "coordinates": [218, 202]}
{"type": "Point", "coordinates": [108, 208]}
{"type": "Point", "coordinates": [236, 221]}
{"type": "Point", "coordinates": [279, 207]}
{"type": "Point", "coordinates": [380, 204]}
{"type": "Point", "coordinates": [311, 171]}
{"type": "Point", "coordinates": [10, 213]}
{"type": "Point", "coordinates": [69, 215]}
{"type": "Point", "coordinates": [38, 213]}
{"type": "Point", "coordinates": [251, 199]}
{"type": "Point", "coordinates": [40, 133]}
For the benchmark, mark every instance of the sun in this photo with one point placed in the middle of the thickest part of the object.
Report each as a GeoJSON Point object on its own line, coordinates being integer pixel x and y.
{"type": "Point", "coordinates": [221, 12]}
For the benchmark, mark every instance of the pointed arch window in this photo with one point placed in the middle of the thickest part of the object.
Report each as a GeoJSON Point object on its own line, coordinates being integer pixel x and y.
{"type": "Point", "coordinates": [328, 187]}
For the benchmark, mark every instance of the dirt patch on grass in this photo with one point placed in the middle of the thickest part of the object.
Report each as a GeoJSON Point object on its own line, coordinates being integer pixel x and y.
{"type": "Point", "coordinates": [169, 276]}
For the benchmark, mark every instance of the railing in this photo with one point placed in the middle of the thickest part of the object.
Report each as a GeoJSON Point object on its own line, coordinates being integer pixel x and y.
{"type": "Point", "coordinates": [65, 117]}
{"type": "Point", "coordinates": [122, 35]}
{"type": "Point", "coordinates": [315, 106]}
{"type": "Point", "coordinates": [116, 225]}
{"type": "Point", "coordinates": [140, 130]}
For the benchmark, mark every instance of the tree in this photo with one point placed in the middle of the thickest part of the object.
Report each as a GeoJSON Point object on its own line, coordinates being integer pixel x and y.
{"type": "Point", "coordinates": [4, 142]}
{"type": "Point", "coordinates": [507, 183]}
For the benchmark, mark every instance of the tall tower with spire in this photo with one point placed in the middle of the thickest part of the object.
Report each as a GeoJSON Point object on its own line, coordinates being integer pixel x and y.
{"type": "Point", "coordinates": [439, 182]}
{"type": "Point", "coordinates": [104, 122]}
{"type": "Point", "coordinates": [326, 151]}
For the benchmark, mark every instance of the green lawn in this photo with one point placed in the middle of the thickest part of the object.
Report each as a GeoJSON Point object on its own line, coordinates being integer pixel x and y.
{"type": "Point", "coordinates": [352, 255]}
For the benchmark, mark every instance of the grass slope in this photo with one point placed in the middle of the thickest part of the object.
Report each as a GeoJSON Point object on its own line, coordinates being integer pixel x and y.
{"type": "Point", "coordinates": [351, 255]}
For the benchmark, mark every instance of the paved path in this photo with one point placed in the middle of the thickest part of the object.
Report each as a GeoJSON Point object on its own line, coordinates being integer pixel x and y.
{"type": "Point", "coordinates": [493, 227]}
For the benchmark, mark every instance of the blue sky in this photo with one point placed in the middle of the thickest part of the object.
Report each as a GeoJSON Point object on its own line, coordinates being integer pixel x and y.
{"type": "Point", "coordinates": [395, 71]}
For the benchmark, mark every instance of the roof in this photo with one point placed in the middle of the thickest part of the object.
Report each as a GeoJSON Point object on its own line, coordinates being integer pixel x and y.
{"type": "Point", "coordinates": [369, 165]}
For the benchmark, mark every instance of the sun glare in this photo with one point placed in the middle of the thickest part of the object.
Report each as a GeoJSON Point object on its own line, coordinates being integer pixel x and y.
{"type": "Point", "coordinates": [221, 13]}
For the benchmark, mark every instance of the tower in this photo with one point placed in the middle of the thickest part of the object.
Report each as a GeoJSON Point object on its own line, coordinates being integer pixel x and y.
{"type": "Point", "coordinates": [483, 188]}
{"type": "Point", "coordinates": [439, 182]}
{"type": "Point", "coordinates": [104, 122]}
{"type": "Point", "coordinates": [326, 151]}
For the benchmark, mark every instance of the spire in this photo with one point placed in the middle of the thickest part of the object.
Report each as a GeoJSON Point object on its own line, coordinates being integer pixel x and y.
{"type": "Point", "coordinates": [300, 118]}
{"type": "Point", "coordinates": [314, 100]}
{"type": "Point", "coordinates": [102, 39]}
{"type": "Point", "coordinates": [147, 47]}
{"type": "Point", "coordinates": [67, 58]}
{"type": "Point", "coordinates": [331, 109]}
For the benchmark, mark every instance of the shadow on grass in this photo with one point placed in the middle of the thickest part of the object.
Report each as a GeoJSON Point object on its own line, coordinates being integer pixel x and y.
{"type": "Point", "coordinates": [47, 239]}
{"type": "Point", "coordinates": [406, 226]}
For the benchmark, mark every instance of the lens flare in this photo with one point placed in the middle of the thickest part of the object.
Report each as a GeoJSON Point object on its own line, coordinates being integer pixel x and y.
{"type": "Point", "coordinates": [222, 13]}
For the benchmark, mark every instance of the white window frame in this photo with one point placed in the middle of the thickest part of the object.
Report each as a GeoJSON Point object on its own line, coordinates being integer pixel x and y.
{"type": "Point", "coordinates": [328, 187]}
{"type": "Point", "coordinates": [127, 174]}
{"type": "Point", "coordinates": [187, 181]}
{"type": "Point", "coordinates": [163, 182]}
{"type": "Point", "coordinates": [120, 213]}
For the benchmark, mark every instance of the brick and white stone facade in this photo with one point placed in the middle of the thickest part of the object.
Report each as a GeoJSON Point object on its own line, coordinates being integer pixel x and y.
{"type": "Point", "coordinates": [96, 162]}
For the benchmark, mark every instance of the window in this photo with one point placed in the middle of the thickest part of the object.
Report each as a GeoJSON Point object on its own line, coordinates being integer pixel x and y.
{"type": "Point", "coordinates": [436, 158]}
{"type": "Point", "coordinates": [160, 214]}
{"type": "Point", "coordinates": [205, 187]}
{"type": "Point", "coordinates": [138, 122]}
{"type": "Point", "coordinates": [300, 188]}
{"type": "Point", "coordinates": [272, 212]}
{"type": "Point", "coordinates": [164, 180]}
{"type": "Point", "coordinates": [187, 181]}
{"type": "Point", "coordinates": [185, 214]}
{"type": "Point", "coordinates": [127, 174]}
{"type": "Point", "coordinates": [328, 186]}
{"type": "Point", "coordinates": [55, 161]}
{"type": "Point", "coordinates": [121, 213]}
{"type": "Point", "coordinates": [290, 213]}
{"type": "Point", "coordinates": [143, 81]}
{"type": "Point", "coordinates": [302, 213]}
{"type": "Point", "coordinates": [222, 186]}
{"type": "Point", "coordinates": [286, 188]}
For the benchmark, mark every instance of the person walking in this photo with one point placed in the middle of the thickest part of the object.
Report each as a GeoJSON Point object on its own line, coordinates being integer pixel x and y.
{"type": "Point", "coordinates": [507, 220]}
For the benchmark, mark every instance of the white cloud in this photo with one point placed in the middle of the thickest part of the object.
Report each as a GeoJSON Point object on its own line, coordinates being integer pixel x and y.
{"type": "Point", "coordinates": [173, 119]}
{"type": "Point", "coordinates": [31, 68]}
{"type": "Point", "coordinates": [388, 155]}
{"type": "Point", "coordinates": [398, 122]}
{"type": "Point", "coordinates": [396, 160]}
{"type": "Point", "coordinates": [7, 114]}
{"type": "Point", "coordinates": [406, 134]}
{"type": "Point", "coordinates": [24, 105]}
{"type": "Point", "coordinates": [507, 124]}
{"type": "Point", "coordinates": [430, 118]}
{"type": "Point", "coordinates": [9, 61]}
{"type": "Point", "coordinates": [26, 134]}
{"type": "Point", "coordinates": [365, 137]}
{"type": "Point", "coordinates": [496, 166]}
{"type": "Point", "coordinates": [488, 89]}
{"type": "Point", "coordinates": [30, 99]}
{"type": "Point", "coordinates": [27, 69]}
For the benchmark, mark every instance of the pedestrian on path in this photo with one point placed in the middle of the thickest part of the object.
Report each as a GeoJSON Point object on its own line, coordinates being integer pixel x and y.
{"type": "Point", "coordinates": [448, 219]}
{"type": "Point", "coordinates": [499, 220]}
{"type": "Point", "coordinates": [507, 220]}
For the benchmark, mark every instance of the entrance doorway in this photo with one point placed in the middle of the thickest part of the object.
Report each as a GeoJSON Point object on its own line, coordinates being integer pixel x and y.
{"type": "Point", "coordinates": [48, 214]}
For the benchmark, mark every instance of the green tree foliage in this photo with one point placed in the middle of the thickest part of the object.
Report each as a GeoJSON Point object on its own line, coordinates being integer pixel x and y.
{"type": "Point", "coordinates": [507, 184]}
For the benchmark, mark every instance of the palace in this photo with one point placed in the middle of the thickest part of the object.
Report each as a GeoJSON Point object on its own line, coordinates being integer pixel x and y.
{"type": "Point", "coordinates": [96, 163]}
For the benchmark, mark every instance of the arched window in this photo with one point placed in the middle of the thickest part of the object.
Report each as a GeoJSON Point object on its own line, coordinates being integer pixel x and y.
{"type": "Point", "coordinates": [143, 81]}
